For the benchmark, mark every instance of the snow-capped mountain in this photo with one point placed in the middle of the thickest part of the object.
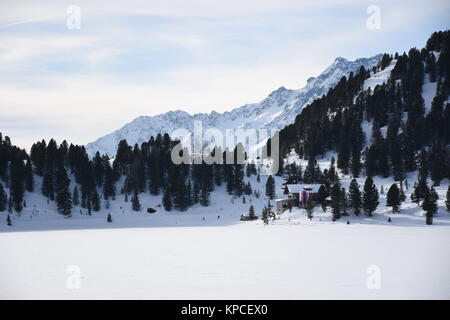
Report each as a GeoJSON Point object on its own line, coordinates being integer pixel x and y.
{"type": "Point", "coordinates": [274, 112]}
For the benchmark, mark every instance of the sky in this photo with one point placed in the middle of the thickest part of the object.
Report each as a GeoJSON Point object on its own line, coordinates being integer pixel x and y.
{"type": "Point", "coordinates": [78, 70]}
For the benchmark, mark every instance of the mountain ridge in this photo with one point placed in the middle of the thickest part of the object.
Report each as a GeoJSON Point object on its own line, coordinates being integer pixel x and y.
{"type": "Point", "coordinates": [276, 111]}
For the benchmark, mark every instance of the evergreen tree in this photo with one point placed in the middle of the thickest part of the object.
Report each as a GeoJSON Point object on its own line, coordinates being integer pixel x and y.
{"type": "Point", "coordinates": [322, 195]}
{"type": "Point", "coordinates": [270, 187]}
{"type": "Point", "coordinates": [248, 189]}
{"type": "Point", "coordinates": [447, 200]}
{"type": "Point", "coordinates": [17, 183]}
{"type": "Point", "coordinates": [336, 201]}
{"type": "Point", "coordinates": [83, 201]}
{"type": "Point", "coordinates": [430, 207]}
{"type": "Point", "coordinates": [332, 174]}
{"type": "Point", "coordinates": [47, 185]}
{"type": "Point", "coordinates": [238, 179]}
{"type": "Point", "coordinates": [402, 192]}
{"type": "Point", "coordinates": [89, 205]}
{"type": "Point", "coordinates": [109, 218]}
{"type": "Point", "coordinates": [95, 201]}
{"type": "Point", "coordinates": [265, 216]}
{"type": "Point", "coordinates": [251, 212]}
{"type": "Point", "coordinates": [195, 193]}
{"type": "Point", "coordinates": [310, 174]}
{"type": "Point", "coordinates": [370, 197]}
{"type": "Point", "coordinates": [393, 198]}
{"type": "Point", "coordinates": [29, 181]}
{"type": "Point", "coordinates": [63, 196]}
{"type": "Point", "coordinates": [167, 200]}
{"type": "Point", "coordinates": [344, 158]}
{"type": "Point", "coordinates": [109, 187]}
{"type": "Point", "coordinates": [229, 177]}
{"type": "Point", "coordinates": [180, 197]}
{"type": "Point", "coordinates": [204, 198]}
{"type": "Point", "coordinates": [420, 190]}
{"type": "Point", "coordinates": [3, 199]}
{"type": "Point", "coordinates": [189, 199]}
{"type": "Point", "coordinates": [344, 202]}
{"type": "Point", "coordinates": [76, 196]}
{"type": "Point", "coordinates": [135, 204]}
{"type": "Point", "coordinates": [355, 197]}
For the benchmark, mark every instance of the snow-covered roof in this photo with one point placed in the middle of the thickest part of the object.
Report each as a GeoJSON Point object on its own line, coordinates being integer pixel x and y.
{"type": "Point", "coordinates": [297, 188]}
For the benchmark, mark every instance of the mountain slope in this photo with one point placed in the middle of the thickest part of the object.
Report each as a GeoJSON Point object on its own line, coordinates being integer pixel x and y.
{"type": "Point", "coordinates": [274, 112]}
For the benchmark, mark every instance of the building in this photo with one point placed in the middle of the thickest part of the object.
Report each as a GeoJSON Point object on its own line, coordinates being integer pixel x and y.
{"type": "Point", "coordinates": [298, 195]}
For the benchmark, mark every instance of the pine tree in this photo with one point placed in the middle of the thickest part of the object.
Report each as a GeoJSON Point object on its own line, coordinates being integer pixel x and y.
{"type": "Point", "coordinates": [310, 174]}
{"type": "Point", "coordinates": [332, 174]}
{"type": "Point", "coordinates": [322, 195]}
{"type": "Point", "coordinates": [29, 182]}
{"type": "Point", "coordinates": [370, 197]}
{"type": "Point", "coordinates": [402, 192]}
{"type": "Point", "coordinates": [344, 202]}
{"type": "Point", "coordinates": [195, 193]}
{"type": "Point", "coordinates": [135, 204]}
{"type": "Point", "coordinates": [420, 190]}
{"type": "Point", "coordinates": [393, 198]}
{"type": "Point", "coordinates": [204, 198]}
{"type": "Point", "coordinates": [434, 194]}
{"type": "Point", "coordinates": [167, 200]}
{"type": "Point", "coordinates": [95, 201]}
{"type": "Point", "coordinates": [75, 196]}
{"type": "Point", "coordinates": [63, 196]}
{"type": "Point", "coordinates": [447, 200]}
{"type": "Point", "coordinates": [189, 199]}
{"type": "Point", "coordinates": [336, 201]}
{"type": "Point", "coordinates": [47, 185]}
{"type": "Point", "coordinates": [3, 199]}
{"type": "Point", "coordinates": [109, 218]}
{"type": "Point", "coordinates": [238, 180]}
{"type": "Point", "coordinates": [89, 205]}
{"type": "Point", "coordinates": [270, 187]}
{"type": "Point", "coordinates": [251, 212]}
{"type": "Point", "coordinates": [17, 183]}
{"type": "Point", "coordinates": [265, 216]}
{"type": "Point", "coordinates": [430, 207]}
{"type": "Point", "coordinates": [355, 197]}
{"type": "Point", "coordinates": [248, 189]}
{"type": "Point", "coordinates": [180, 197]}
{"type": "Point", "coordinates": [109, 187]}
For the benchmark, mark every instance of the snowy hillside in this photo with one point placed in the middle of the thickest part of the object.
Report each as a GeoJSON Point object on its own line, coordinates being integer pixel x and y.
{"type": "Point", "coordinates": [275, 112]}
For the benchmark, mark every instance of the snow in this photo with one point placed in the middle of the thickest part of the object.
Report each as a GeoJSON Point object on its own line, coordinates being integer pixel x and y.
{"type": "Point", "coordinates": [296, 188]}
{"type": "Point", "coordinates": [379, 78]}
{"type": "Point", "coordinates": [428, 93]}
{"type": "Point", "coordinates": [276, 111]}
{"type": "Point", "coordinates": [178, 255]}
{"type": "Point", "coordinates": [246, 261]}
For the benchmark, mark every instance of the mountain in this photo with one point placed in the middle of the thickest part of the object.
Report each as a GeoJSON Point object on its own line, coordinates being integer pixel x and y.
{"type": "Point", "coordinates": [276, 111]}
{"type": "Point", "coordinates": [390, 121]}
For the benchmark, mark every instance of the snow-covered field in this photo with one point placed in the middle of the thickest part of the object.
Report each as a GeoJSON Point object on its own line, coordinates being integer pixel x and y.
{"type": "Point", "coordinates": [244, 261]}
{"type": "Point", "coordinates": [170, 255]}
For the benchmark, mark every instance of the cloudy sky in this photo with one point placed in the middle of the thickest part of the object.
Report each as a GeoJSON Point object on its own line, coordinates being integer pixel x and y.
{"type": "Point", "coordinates": [133, 58]}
